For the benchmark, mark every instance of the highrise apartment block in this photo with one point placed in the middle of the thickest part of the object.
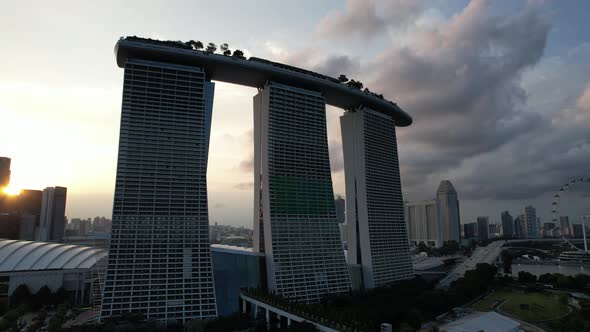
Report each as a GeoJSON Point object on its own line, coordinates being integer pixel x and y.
{"type": "Point", "coordinates": [378, 239]}
{"type": "Point", "coordinates": [159, 259]}
{"type": "Point", "coordinates": [531, 222]}
{"type": "Point", "coordinates": [483, 231]}
{"type": "Point", "coordinates": [435, 221]}
{"type": "Point", "coordinates": [295, 215]}
{"type": "Point", "coordinates": [52, 221]}
{"type": "Point", "coordinates": [4, 172]}
{"type": "Point", "coordinates": [507, 224]}
{"type": "Point", "coordinates": [340, 209]}
{"type": "Point", "coordinates": [564, 226]}
{"type": "Point", "coordinates": [423, 223]}
{"type": "Point", "coordinates": [469, 230]}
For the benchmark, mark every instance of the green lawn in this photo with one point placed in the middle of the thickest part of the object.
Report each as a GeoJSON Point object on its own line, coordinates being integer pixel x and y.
{"type": "Point", "coordinates": [483, 305]}
{"type": "Point", "coordinates": [540, 306]}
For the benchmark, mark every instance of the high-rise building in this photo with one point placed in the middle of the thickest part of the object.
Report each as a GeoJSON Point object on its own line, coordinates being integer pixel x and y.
{"type": "Point", "coordinates": [295, 221]}
{"type": "Point", "coordinates": [531, 223]}
{"type": "Point", "coordinates": [483, 228]}
{"type": "Point", "coordinates": [578, 231]}
{"type": "Point", "coordinates": [340, 209]}
{"type": "Point", "coordinates": [448, 211]}
{"type": "Point", "coordinates": [564, 226]}
{"type": "Point", "coordinates": [378, 239]}
{"type": "Point", "coordinates": [4, 172]}
{"type": "Point", "coordinates": [507, 224]}
{"type": "Point", "coordinates": [469, 230]}
{"type": "Point", "coordinates": [435, 221]}
{"type": "Point", "coordinates": [494, 230]}
{"type": "Point", "coordinates": [520, 227]}
{"type": "Point", "coordinates": [52, 220]}
{"type": "Point", "coordinates": [549, 229]}
{"type": "Point", "coordinates": [423, 223]}
{"type": "Point", "coordinates": [159, 258]}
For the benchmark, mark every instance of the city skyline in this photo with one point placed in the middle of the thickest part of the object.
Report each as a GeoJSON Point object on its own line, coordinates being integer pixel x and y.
{"type": "Point", "coordinates": [87, 131]}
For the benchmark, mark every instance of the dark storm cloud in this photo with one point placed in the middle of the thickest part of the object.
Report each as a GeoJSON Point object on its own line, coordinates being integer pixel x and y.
{"type": "Point", "coordinates": [462, 82]}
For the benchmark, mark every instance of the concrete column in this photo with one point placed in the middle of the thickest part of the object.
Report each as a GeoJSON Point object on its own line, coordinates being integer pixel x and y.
{"type": "Point", "coordinates": [244, 306]}
{"type": "Point", "coordinates": [267, 318]}
{"type": "Point", "coordinates": [288, 321]}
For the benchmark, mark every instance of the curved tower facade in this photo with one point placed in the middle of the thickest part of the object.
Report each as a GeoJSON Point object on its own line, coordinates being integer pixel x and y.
{"type": "Point", "coordinates": [378, 246]}
{"type": "Point", "coordinates": [159, 258]}
{"type": "Point", "coordinates": [295, 221]}
{"type": "Point", "coordinates": [448, 211]}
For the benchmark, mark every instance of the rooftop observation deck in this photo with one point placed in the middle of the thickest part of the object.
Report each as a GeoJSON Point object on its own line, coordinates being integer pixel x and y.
{"type": "Point", "coordinates": [255, 72]}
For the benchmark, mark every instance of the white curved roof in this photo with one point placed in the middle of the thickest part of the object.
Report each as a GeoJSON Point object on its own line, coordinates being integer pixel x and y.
{"type": "Point", "coordinates": [17, 255]}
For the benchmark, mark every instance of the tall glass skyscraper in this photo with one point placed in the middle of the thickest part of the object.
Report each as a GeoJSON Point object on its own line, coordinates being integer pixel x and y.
{"type": "Point", "coordinates": [295, 216]}
{"type": "Point", "coordinates": [159, 259]}
{"type": "Point", "coordinates": [378, 239]}
{"type": "Point", "coordinates": [448, 211]}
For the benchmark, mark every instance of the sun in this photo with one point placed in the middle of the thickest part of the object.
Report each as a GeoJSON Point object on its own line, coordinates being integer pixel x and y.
{"type": "Point", "coordinates": [11, 191]}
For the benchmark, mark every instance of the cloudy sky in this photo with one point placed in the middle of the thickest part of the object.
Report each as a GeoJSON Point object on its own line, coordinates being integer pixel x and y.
{"type": "Point", "coordinates": [499, 92]}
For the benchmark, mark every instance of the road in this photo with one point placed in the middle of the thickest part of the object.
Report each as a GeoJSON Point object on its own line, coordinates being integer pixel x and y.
{"type": "Point", "coordinates": [486, 254]}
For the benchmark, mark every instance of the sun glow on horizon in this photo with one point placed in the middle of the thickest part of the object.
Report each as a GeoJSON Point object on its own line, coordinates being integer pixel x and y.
{"type": "Point", "coordinates": [11, 190]}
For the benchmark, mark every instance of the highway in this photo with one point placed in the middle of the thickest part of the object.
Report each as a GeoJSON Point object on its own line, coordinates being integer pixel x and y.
{"type": "Point", "coordinates": [486, 254]}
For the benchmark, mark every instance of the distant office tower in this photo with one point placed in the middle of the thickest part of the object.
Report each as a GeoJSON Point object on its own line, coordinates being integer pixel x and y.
{"type": "Point", "coordinates": [4, 171]}
{"type": "Point", "coordinates": [531, 223]}
{"type": "Point", "coordinates": [378, 239]}
{"type": "Point", "coordinates": [340, 209]}
{"type": "Point", "coordinates": [549, 229]}
{"type": "Point", "coordinates": [469, 230]}
{"type": "Point", "coordinates": [448, 210]}
{"type": "Point", "coordinates": [507, 224]}
{"type": "Point", "coordinates": [564, 225]}
{"type": "Point", "coordinates": [482, 228]}
{"type": "Point", "coordinates": [423, 223]}
{"type": "Point", "coordinates": [159, 259]}
{"type": "Point", "coordinates": [578, 231]}
{"type": "Point", "coordinates": [295, 216]}
{"type": "Point", "coordinates": [519, 227]}
{"type": "Point", "coordinates": [52, 221]}
{"type": "Point", "coordinates": [494, 230]}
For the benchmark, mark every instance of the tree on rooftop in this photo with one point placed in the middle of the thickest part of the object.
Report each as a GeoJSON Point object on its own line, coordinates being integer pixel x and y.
{"type": "Point", "coordinates": [211, 48]}
{"type": "Point", "coordinates": [342, 78]}
{"type": "Point", "coordinates": [224, 47]}
{"type": "Point", "coordinates": [239, 54]}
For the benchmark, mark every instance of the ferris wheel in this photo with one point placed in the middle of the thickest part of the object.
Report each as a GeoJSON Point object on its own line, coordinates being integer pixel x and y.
{"type": "Point", "coordinates": [555, 211]}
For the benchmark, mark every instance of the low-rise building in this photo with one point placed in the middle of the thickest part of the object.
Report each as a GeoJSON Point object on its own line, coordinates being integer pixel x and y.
{"type": "Point", "coordinates": [55, 265]}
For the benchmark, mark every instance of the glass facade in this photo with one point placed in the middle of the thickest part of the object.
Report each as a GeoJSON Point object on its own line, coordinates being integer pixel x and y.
{"type": "Point", "coordinates": [297, 226]}
{"type": "Point", "coordinates": [159, 259]}
{"type": "Point", "coordinates": [374, 206]}
{"type": "Point", "coordinates": [234, 269]}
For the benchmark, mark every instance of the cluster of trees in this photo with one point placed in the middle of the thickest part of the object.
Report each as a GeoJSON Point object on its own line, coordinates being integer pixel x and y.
{"type": "Point", "coordinates": [22, 296]}
{"type": "Point", "coordinates": [357, 85]}
{"type": "Point", "coordinates": [192, 45]}
{"type": "Point", "coordinates": [406, 304]}
{"type": "Point", "coordinates": [135, 322]}
{"type": "Point", "coordinates": [211, 48]}
{"type": "Point", "coordinates": [557, 280]}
